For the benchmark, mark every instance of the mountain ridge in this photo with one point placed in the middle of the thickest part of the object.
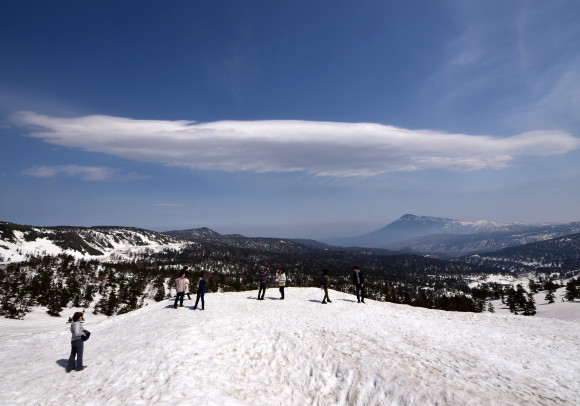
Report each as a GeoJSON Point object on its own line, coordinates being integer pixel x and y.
{"type": "Point", "coordinates": [18, 241]}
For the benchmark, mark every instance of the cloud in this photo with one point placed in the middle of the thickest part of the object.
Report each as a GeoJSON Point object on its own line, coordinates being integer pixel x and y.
{"type": "Point", "coordinates": [318, 148]}
{"type": "Point", "coordinates": [88, 173]}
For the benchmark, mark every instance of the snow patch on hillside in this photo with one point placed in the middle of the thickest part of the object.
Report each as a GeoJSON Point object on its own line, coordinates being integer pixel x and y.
{"type": "Point", "coordinates": [241, 351]}
{"type": "Point", "coordinates": [115, 244]}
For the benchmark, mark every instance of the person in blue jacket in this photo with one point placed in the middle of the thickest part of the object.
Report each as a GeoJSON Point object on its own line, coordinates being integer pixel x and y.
{"type": "Point", "coordinates": [200, 293]}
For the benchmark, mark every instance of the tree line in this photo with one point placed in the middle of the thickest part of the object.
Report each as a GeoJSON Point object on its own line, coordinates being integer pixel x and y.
{"type": "Point", "coordinates": [61, 281]}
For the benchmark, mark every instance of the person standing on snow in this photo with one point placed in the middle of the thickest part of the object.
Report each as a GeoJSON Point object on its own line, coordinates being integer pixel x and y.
{"type": "Point", "coordinates": [325, 284]}
{"type": "Point", "coordinates": [262, 277]}
{"type": "Point", "coordinates": [358, 280]}
{"type": "Point", "coordinates": [186, 270]}
{"type": "Point", "coordinates": [180, 284]}
{"type": "Point", "coordinates": [77, 344]}
{"type": "Point", "coordinates": [200, 293]}
{"type": "Point", "coordinates": [281, 278]}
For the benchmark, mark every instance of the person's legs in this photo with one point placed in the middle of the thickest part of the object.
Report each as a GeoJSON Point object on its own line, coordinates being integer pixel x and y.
{"type": "Point", "coordinates": [282, 292]}
{"type": "Point", "coordinates": [358, 293]}
{"type": "Point", "coordinates": [362, 294]}
{"type": "Point", "coordinates": [203, 301]}
{"type": "Point", "coordinates": [181, 297]}
{"type": "Point", "coordinates": [80, 344]}
{"type": "Point", "coordinates": [325, 295]}
{"type": "Point", "coordinates": [196, 301]}
{"type": "Point", "coordinates": [71, 359]}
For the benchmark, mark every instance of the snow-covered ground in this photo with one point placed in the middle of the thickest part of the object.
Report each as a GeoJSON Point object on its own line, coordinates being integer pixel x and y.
{"type": "Point", "coordinates": [241, 351]}
{"type": "Point", "coordinates": [560, 309]}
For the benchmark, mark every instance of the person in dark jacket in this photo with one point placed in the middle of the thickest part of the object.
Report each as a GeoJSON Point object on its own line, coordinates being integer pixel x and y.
{"type": "Point", "coordinates": [200, 293]}
{"type": "Point", "coordinates": [77, 344]}
{"type": "Point", "coordinates": [358, 280]}
{"type": "Point", "coordinates": [263, 278]}
{"type": "Point", "coordinates": [325, 284]}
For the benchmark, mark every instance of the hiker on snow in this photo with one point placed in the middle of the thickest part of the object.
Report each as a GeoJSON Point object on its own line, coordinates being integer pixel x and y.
{"type": "Point", "coordinates": [325, 284]}
{"type": "Point", "coordinates": [358, 280]}
{"type": "Point", "coordinates": [186, 270]}
{"type": "Point", "coordinates": [200, 293]}
{"type": "Point", "coordinates": [180, 284]}
{"type": "Point", "coordinates": [77, 343]}
{"type": "Point", "coordinates": [262, 277]}
{"type": "Point", "coordinates": [281, 278]}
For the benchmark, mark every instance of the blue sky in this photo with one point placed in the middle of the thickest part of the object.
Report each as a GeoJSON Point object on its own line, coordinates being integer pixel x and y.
{"type": "Point", "coordinates": [289, 119]}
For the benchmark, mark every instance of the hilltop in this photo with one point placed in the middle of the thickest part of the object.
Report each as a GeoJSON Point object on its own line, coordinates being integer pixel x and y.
{"type": "Point", "coordinates": [295, 352]}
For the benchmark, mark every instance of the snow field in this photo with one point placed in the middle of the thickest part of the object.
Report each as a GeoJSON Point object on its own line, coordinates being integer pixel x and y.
{"type": "Point", "coordinates": [241, 351]}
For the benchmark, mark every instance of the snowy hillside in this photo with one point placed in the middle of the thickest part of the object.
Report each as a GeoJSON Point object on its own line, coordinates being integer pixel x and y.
{"type": "Point", "coordinates": [241, 351]}
{"type": "Point", "coordinates": [116, 243]}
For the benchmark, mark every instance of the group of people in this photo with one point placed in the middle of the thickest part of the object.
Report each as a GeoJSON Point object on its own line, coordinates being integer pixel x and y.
{"type": "Point", "coordinates": [263, 275]}
{"type": "Point", "coordinates": [182, 285]}
{"type": "Point", "coordinates": [358, 281]}
{"type": "Point", "coordinates": [79, 334]}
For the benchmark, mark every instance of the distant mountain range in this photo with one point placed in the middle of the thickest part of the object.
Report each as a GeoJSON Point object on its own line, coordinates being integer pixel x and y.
{"type": "Point", "coordinates": [428, 236]}
{"type": "Point", "coordinates": [557, 254]}
{"type": "Point", "coordinates": [446, 238]}
{"type": "Point", "coordinates": [294, 246]}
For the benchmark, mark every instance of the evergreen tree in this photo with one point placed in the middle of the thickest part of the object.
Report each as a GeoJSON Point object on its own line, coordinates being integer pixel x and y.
{"type": "Point", "coordinates": [550, 297]}
{"type": "Point", "coordinates": [530, 305]}
{"type": "Point", "coordinates": [572, 291]}
{"type": "Point", "coordinates": [88, 295]}
{"type": "Point", "coordinates": [534, 286]}
{"type": "Point", "coordinates": [54, 306]}
{"type": "Point", "coordinates": [160, 294]}
{"type": "Point", "coordinates": [112, 304]}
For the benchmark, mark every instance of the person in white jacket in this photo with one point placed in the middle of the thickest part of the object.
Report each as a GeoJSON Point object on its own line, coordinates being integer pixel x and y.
{"type": "Point", "coordinates": [180, 285]}
{"type": "Point", "coordinates": [281, 278]}
{"type": "Point", "coordinates": [77, 344]}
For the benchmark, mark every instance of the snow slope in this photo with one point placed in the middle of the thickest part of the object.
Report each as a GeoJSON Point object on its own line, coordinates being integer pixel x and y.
{"type": "Point", "coordinates": [115, 243]}
{"type": "Point", "coordinates": [241, 351]}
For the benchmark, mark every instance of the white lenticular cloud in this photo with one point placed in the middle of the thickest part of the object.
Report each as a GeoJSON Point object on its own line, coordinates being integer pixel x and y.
{"type": "Point", "coordinates": [318, 148]}
{"type": "Point", "coordinates": [92, 173]}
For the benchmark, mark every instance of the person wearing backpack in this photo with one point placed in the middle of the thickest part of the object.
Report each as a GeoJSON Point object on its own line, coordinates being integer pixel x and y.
{"type": "Point", "coordinates": [77, 343]}
{"type": "Point", "coordinates": [281, 278]}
